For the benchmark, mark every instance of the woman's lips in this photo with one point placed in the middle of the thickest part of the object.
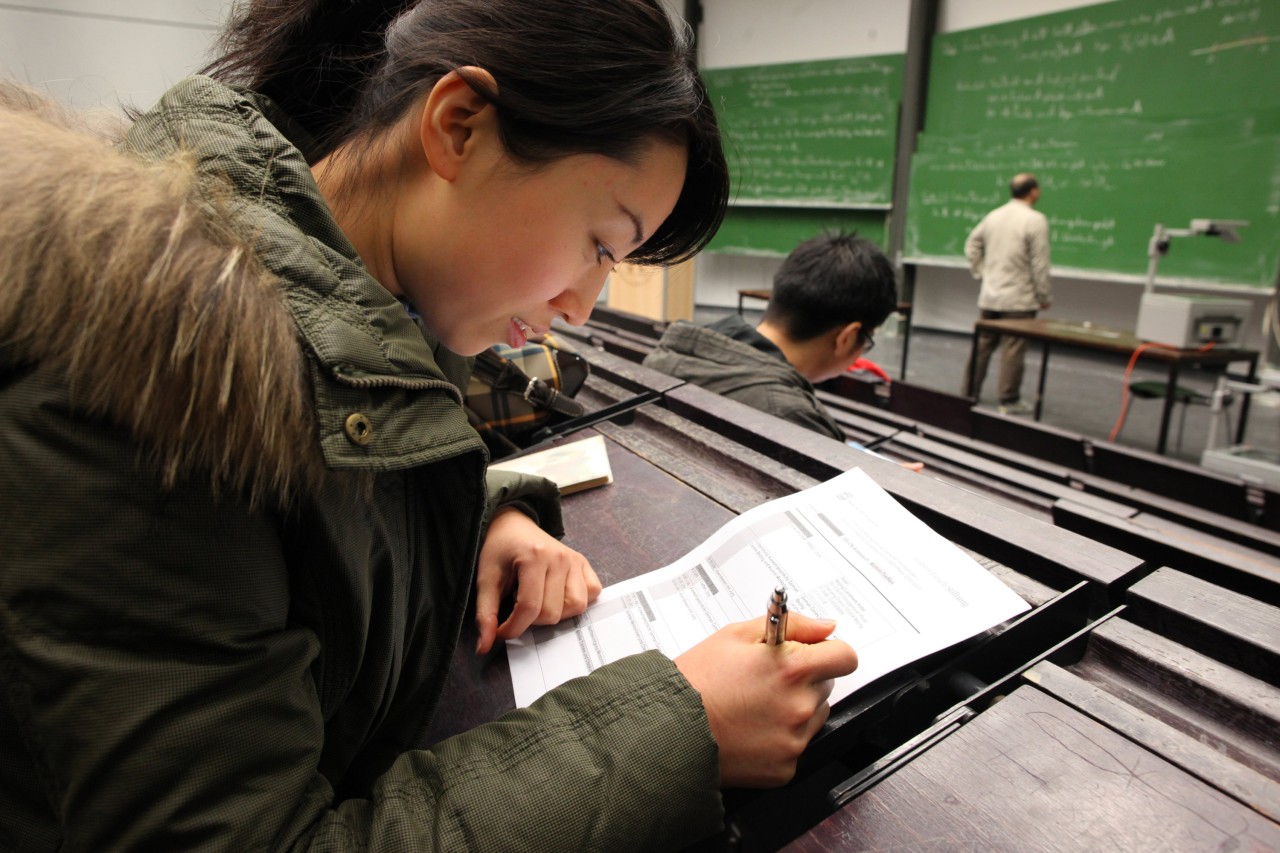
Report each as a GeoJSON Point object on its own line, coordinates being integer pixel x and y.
{"type": "Point", "coordinates": [519, 332]}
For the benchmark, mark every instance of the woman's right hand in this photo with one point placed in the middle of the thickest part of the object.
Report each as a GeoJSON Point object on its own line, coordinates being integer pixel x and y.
{"type": "Point", "coordinates": [766, 702]}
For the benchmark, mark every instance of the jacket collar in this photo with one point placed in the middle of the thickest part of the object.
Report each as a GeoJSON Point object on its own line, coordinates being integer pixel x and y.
{"type": "Point", "coordinates": [713, 346]}
{"type": "Point", "coordinates": [733, 326]}
{"type": "Point", "coordinates": [370, 364]}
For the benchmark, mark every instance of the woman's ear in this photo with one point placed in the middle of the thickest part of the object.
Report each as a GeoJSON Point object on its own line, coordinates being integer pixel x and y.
{"type": "Point", "coordinates": [456, 121]}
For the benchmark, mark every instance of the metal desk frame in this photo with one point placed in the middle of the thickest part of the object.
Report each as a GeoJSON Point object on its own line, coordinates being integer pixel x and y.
{"type": "Point", "coordinates": [1049, 332]}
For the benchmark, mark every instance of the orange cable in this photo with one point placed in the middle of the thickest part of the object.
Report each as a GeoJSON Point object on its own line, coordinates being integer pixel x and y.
{"type": "Point", "coordinates": [1128, 372]}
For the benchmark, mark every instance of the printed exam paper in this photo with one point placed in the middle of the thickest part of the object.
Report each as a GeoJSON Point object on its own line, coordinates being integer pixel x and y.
{"type": "Point", "coordinates": [844, 549]}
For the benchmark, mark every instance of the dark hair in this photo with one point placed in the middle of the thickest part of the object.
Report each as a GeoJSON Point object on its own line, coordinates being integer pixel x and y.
{"type": "Point", "coordinates": [831, 280]}
{"type": "Point", "coordinates": [604, 77]}
{"type": "Point", "coordinates": [1022, 185]}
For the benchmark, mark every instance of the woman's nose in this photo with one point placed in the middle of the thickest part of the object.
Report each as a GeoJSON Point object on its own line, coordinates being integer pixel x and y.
{"type": "Point", "coordinates": [575, 303]}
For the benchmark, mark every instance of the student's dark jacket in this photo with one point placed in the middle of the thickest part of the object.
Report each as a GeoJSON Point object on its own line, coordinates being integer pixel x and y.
{"type": "Point", "coordinates": [183, 669]}
{"type": "Point", "coordinates": [734, 360]}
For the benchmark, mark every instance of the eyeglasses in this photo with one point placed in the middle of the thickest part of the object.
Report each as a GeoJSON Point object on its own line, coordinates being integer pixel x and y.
{"type": "Point", "coordinates": [868, 343]}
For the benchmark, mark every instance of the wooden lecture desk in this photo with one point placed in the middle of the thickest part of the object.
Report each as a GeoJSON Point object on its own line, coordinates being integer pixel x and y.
{"type": "Point", "coordinates": [1120, 342]}
{"type": "Point", "coordinates": [1133, 707]}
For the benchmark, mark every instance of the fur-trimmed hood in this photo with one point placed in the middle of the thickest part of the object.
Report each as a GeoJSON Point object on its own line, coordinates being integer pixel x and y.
{"type": "Point", "coordinates": [199, 291]}
{"type": "Point", "coordinates": [119, 274]}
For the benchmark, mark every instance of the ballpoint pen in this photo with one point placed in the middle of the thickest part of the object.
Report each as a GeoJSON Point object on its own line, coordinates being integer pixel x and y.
{"type": "Point", "coordinates": [775, 623]}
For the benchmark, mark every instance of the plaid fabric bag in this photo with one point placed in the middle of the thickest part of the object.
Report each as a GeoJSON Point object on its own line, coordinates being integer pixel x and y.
{"type": "Point", "coordinates": [513, 392]}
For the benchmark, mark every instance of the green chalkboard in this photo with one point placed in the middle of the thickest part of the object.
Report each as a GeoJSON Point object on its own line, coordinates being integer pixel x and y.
{"type": "Point", "coordinates": [1130, 113]}
{"type": "Point", "coordinates": [774, 232]}
{"type": "Point", "coordinates": [817, 133]}
{"type": "Point", "coordinates": [1103, 203]}
{"type": "Point", "coordinates": [1125, 59]}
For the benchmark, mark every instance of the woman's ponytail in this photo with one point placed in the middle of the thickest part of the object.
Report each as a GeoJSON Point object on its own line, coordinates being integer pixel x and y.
{"type": "Point", "coordinates": [312, 57]}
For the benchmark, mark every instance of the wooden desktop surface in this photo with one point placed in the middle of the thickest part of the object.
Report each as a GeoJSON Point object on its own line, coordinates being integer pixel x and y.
{"type": "Point", "coordinates": [643, 521]}
{"type": "Point", "coordinates": [1101, 338]}
{"type": "Point", "coordinates": [1143, 737]}
{"type": "Point", "coordinates": [1034, 773]}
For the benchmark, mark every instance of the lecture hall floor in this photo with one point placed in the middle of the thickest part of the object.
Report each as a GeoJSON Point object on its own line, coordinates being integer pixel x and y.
{"type": "Point", "coordinates": [1082, 394]}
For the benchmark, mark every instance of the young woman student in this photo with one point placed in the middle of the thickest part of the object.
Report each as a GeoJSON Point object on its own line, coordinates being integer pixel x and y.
{"type": "Point", "coordinates": [243, 511]}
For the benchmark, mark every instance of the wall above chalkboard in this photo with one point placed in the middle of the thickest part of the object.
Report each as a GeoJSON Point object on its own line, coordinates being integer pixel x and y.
{"type": "Point", "coordinates": [1130, 113]}
{"type": "Point", "coordinates": [810, 134]}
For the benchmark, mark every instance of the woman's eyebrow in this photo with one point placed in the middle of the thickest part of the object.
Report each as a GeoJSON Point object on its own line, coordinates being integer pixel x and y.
{"type": "Point", "coordinates": [638, 237]}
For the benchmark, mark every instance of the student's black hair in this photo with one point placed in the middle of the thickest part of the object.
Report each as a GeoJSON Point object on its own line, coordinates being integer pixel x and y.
{"type": "Point", "coordinates": [832, 280]}
{"type": "Point", "coordinates": [572, 77]}
{"type": "Point", "coordinates": [1022, 185]}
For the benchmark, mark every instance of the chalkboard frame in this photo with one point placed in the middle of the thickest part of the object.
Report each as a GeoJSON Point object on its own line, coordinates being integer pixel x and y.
{"type": "Point", "coordinates": [772, 232]}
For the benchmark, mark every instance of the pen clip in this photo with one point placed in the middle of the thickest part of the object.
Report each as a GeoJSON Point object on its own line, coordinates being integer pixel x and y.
{"type": "Point", "coordinates": [775, 625]}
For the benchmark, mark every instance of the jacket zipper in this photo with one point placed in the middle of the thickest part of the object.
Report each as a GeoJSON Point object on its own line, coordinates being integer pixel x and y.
{"type": "Point", "coordinates": [398, 382]}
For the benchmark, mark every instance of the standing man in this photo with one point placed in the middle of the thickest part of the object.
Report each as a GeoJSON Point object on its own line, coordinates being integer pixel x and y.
{"type": "Point", "coordinates": [1009, 253]}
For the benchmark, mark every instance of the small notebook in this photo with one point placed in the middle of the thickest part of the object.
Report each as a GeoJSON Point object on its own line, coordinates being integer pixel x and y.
{"type": "Point", "coordinates": [573, 467]}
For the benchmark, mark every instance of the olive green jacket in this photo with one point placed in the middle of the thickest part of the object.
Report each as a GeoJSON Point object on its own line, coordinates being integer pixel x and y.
{"type": "Point", "coordinates": [732, 359]}
{"type": "Point", "coordinates": [195, 656]}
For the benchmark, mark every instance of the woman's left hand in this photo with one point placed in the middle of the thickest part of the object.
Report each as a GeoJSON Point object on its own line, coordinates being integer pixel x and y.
{"type": "Point", "coordinates": [552, 581]}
